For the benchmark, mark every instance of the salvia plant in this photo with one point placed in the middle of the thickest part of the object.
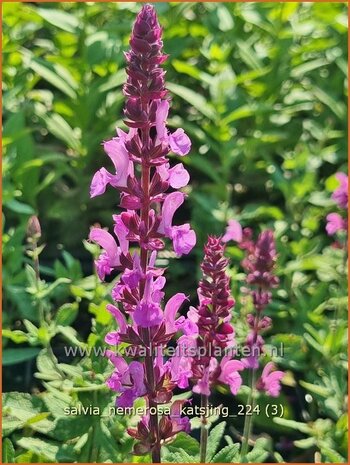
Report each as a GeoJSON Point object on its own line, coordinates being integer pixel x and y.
{"type": "Point", "coordinates": [144, 177]}
{"type": "Point", "coordinates": [149, 198]}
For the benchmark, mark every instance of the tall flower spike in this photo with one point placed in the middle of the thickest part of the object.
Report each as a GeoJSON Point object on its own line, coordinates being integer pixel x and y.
{"type": "Point", "coordinates": [208, 330]}
{"type": "Point", "coordinates": [213, 317]}
{"type": "Point", "coordinates": [259, 264]}
{"type": "Point", "coordinates": [146, 223]}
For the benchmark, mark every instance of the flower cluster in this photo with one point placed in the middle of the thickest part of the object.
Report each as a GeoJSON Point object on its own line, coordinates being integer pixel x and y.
{"type": "Point", "coordinates": [143, 176]}
{"type": "Point", "coordinates": [335, 221]}
{"type": "Point", "coordinates": [208, 328]}
{"type": "Point", "coordinates": [259, 265]}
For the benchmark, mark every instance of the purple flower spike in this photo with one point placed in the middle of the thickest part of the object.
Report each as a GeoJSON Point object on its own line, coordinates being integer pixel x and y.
{"type": "Point", "coordinates": [259, 264]}
{"type": "Point", "coordinates": [143, 175]}
{"type": "Point", "coordinates": [210, 326]}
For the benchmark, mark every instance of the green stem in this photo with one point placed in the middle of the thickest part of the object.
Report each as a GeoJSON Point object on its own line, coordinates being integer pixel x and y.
{"type": "Point", "coordinates": [248, 420]}
{"type": "Point", "coordinates": [204, 429]}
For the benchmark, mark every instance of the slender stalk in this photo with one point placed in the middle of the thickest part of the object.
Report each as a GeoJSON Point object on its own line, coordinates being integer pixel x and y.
{"type": "Point", "coordinates": [204, 429]}
{"type": "Point", "coordinates": [248, 420]}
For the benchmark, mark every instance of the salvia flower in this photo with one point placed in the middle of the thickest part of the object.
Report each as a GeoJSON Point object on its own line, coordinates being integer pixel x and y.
{"type": "Point", "coordinates": [270, 380]}
{"type": "Point", "coordinates": [143, 175]}
{"type": "Point", "coordinates": [259, 264]}
{"type": "Point", "coordinates": [210, 330]}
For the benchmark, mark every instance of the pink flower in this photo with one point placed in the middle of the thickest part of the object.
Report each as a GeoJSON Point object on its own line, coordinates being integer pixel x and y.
{"type": "Point", "coordinates": [179, 423]}
{"type": "Point", "coordinates": [184, 238]}
{"type": "Point", "coordinates": [111, 257]}
{"type": "Point", "coordinates": [206, 380]}
{"type": "Point", "coordinates": [340, 195]}
{"type": "Point", "coordinates": [335, 223]}
{"type": "Point", "coordinates": [181, 362]}
{"type": "Point", "coordinates": [121, 231]}
{"type": "Point", "coordinates": [127, 379]}
{"type": "Point", "coordinates": [178, 141]}
{"type": "Point", "coordinates": [119, 317]}
{"type": "Point", "coordinates": [133, 385]}
{"type": "Point", "coordinates": [148, 312]}
{"type": "Point", "coordinates": [113, 338]}
{"type": "Point", "coordinates": [233, 232]}
{"type": "Point", "coordinates": [177, 176]}
{"type": "Point", "coordinates": [229, 373]}
{"type": "Point", "coordinates": [170, 310]}
{"type": "Point", "coordinates": [270, 380]}
{"type": "Point", "coordinates": [203, 385]}
{"type": "Point", "coordinates": [117, 152]}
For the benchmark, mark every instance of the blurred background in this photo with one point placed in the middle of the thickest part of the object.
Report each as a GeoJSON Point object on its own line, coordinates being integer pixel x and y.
{"type": "Point", "coordinates": [261, 90]}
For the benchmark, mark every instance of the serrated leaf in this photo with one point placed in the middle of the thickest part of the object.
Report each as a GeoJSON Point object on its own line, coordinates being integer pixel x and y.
{"type": "Point", "coordinates": [228, 454]}
{"type": "Point", "coordinates": [180, 456]}
{"type": "Point", "coordinates": [214, 439]}
{"type": "Point", "coordinates": [67, 313]}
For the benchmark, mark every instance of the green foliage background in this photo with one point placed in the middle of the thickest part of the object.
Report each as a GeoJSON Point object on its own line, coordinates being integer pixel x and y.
{"type": "Point", "coordinates": [261, 90]}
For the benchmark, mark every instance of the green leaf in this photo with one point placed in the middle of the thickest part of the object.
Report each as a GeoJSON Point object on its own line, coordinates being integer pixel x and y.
{"type": "Point", "coordinates": [296, 425]}
{"type": "Point", "coordinates": [70, 334]}
{"type": "Point", "coordinates": [15, 335]}
{"type": "Point", "coordinates": [214, 439]}
{"type": "Point", "coordinates": [19, 408]}
{"type": "Point", "coordinates": [48, 289]}
{"type": "Point", "coordinates": [8, 451]}
{"type": "Point", "coordinates": [66, 21]}
{"type": "Point", "coordinates": [70, 427]}
{"type": "Point", "coordinates": [331, 455]}
{"type": "Point", "coordinates": [47, 367]}
{"type": "Point", "coordinates": [66, 314]}
{"type": "Point", "coordinates": [186, 442]}
{"type": "Point", "coordinates": [59, 127]}
{"type": "Point", "coordinates": [337, 107]}
{"type": "Point", "coordinates": [19, 207]}
{"type": "Point", "coordinates": [316, 389]}
{"type": "Point", "coordinates": [55, 74]}
{"type": "Point", "coordinates": [193, 98]}
{"type": "Point", "coordinates": [259, 453]}
{"type": "Point", "coordinates": [180, 456]}
{"type": "Point", "coordinates": [116, 80]}
{"type": "Point", "coordinates": [228, 454]}
{"type": "Point", "coordinates": [13, 356]}
{"type": "Point", "coordinates": [53, 451]}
